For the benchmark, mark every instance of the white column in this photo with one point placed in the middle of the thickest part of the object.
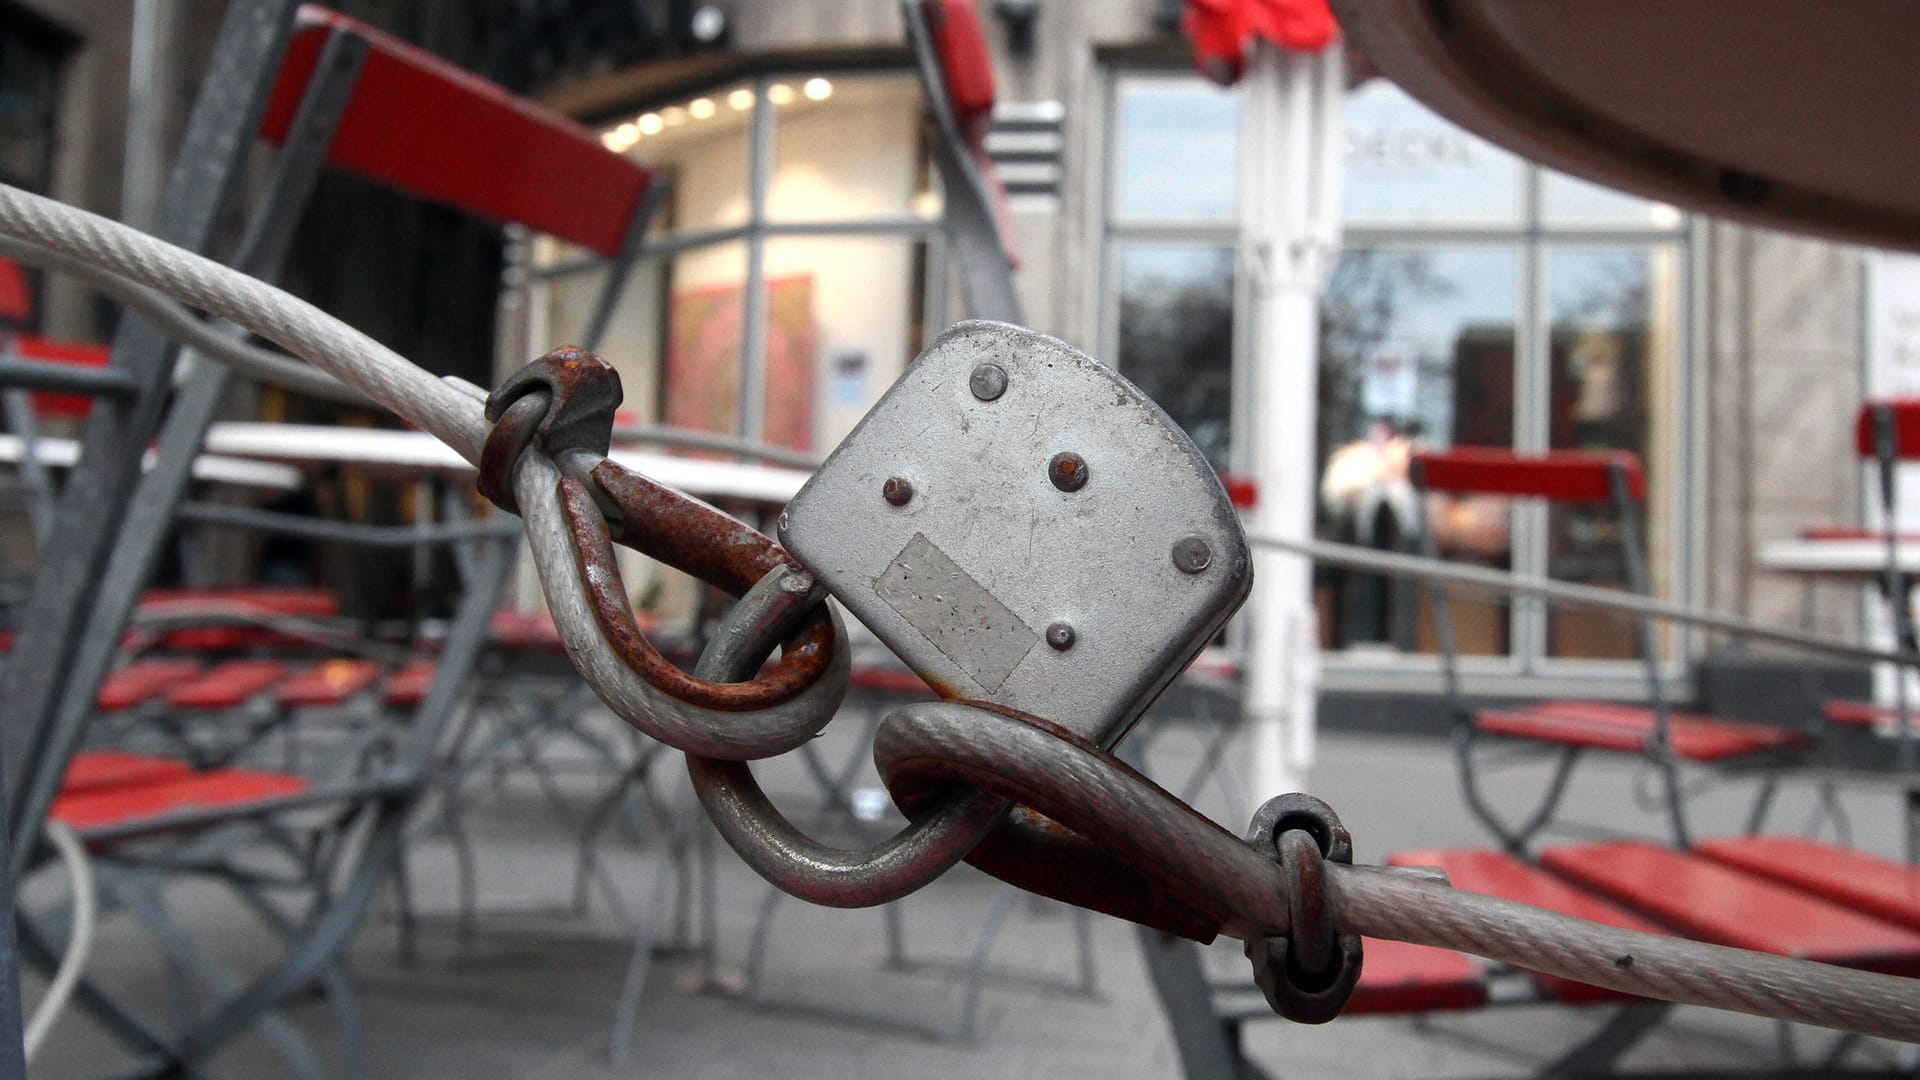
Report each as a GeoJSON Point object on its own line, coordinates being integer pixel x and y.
{"type": "Point", "coordinates": [1290, 216]}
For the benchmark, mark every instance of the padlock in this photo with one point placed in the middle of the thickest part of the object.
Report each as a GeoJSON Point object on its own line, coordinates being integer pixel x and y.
{"type": "Point", "coordinates": [1022, 526]}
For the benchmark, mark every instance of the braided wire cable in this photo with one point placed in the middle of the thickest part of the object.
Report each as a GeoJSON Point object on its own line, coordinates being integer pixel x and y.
{"type": "Point", "coordinates": [1121, 811]}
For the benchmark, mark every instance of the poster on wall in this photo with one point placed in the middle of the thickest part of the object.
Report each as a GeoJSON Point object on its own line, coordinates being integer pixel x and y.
{"type": "Point", "coordinates": [704, 334]}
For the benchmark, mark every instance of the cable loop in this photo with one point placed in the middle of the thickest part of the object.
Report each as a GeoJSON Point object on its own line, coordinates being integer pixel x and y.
{"type": "Point", "coordinates": [545, 459]}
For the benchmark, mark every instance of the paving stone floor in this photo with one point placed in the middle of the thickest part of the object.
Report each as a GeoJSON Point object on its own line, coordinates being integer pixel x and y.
{"type": "Point", "coordinates": [530, 995]}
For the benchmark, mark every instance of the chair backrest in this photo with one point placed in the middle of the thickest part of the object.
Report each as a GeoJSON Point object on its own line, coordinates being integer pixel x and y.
{"type": "Point", "coordinates": [418, 123]}
{"type": "Point", "coordinates": [1572, 476]}
{"type": "Point", "coordinates": [1612, 477]}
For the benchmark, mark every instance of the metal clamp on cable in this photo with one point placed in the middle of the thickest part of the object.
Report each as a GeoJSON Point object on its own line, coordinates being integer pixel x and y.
{"type": "Point", "coordinates": [1310, 973]}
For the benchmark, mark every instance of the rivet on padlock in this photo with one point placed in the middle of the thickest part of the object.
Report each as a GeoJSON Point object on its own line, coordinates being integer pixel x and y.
{"type": "Point", "coordinates": [1029, 494]}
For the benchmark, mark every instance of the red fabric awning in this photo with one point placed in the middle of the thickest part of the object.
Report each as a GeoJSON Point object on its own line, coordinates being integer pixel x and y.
{"type": "Point", "coordinates": [1223, 30]}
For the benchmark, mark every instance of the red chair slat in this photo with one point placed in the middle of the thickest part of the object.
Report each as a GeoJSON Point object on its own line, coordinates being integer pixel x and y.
{"type": "Point", "coordinates": [328, 683]}
{"type": "Point", "coordinates": [1713, 902]}
{"type": "Point", "coordinates": [1880, 887]}
{"type": "Point", "coordinates": [1624, 728]}
{"type": "Point", "coordinates": [96, 770]}
{"type": "Point", "coordinates": [1906, 427]}
{"type": "Point", "coordinates": [533, 631]}
{"type": "Point", "coordinates": [297, 602]}
{"type": "Point", "coordinates": [219, 788]}
{"type": "Point", "coordinates": [1401, 978]}
{"type": "Point", "coordinates": [1862, 713]}
{"type": "Point", "coordinates": [16, 299]}
{"type": "Point", "coordinates": [141, 682]}
{"type": "Point", "coordinates": [1558, 475]}
{"type": "Point", "coordinates": [420, 124]}
{"type": "Point", "coordinates": [47, 350]}
{"type": "Point", "coordinates": [889, 680]}
{"type": "Point", "coordinates": [1493, 873]}
{"type": "Point", "coordinates": [407, 688]}
{"type": "Point", "coordinates": [227, 685]}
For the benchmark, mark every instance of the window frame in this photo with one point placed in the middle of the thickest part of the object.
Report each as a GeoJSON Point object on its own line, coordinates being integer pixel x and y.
{"type": "Point", "coordinates": [1526, 666]}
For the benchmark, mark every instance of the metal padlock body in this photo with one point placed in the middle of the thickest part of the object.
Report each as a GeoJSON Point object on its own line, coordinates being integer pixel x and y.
{"type": "Point", "coordinates": [1077, 600]}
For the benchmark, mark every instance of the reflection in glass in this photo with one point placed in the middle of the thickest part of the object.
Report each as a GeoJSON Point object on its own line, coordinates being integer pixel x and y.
{"type": "Point", "coordinates": [1176, 151]}
{"type": "Point", "coordinates": [1416, 349]}
{"type": "Point", "coordinates": [1611, 332]}
{"type": "Point", "coordinates": [1176, 336]}
{"type": "Point", "coordinates": [1405, 165]}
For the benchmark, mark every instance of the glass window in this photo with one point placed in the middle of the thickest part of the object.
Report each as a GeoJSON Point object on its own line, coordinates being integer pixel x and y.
{"type": "Point", "coordinates": [701, 142]}
{"type": "Point", "coordinates": [1416, 349]}
{"type": "Point", "coordinates": [1176, 335]}
{"type": "Point", "coordinates": [843, 319]}
{"type": "Point", "coordinates": [1517, 336]}
{"type": "Point", "coordinates": [839, 312]}
{"type": "Point", "coordinates": [1404, 165]}
{"type": "Point", "coordinates": [1611, 345]}
{"type": "Point", "coordinates": [1176, 150]}
{"type": "Point", "coordinates": [827, 123]}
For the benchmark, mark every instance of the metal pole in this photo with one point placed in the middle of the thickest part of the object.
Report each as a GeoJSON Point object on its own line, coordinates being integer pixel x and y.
{"type": "Point", "coordinates": [1289, 211]}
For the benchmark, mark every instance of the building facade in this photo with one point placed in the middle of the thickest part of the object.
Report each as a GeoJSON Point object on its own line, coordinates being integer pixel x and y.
{"type": "Point", "coordinates": [1477, 299]}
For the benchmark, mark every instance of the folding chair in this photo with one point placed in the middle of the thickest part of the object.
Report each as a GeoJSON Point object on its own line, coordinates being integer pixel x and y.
{"type": "Point", "coordinates": [1565, 730]}
{"type": "Point", "coordinates": [344, 95]}
{"type": "Point", "coordinates": [332, 91]}
{"type": "Point", "coordinates": [325, 834]}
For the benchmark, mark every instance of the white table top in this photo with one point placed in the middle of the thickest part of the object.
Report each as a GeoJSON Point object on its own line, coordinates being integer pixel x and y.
{"type": "Point", "coordinates": [421, 452]}
{"type": "Point", "coordinates": [61, 453]}
{"type": "Point", "coordinates": [1862, 559]}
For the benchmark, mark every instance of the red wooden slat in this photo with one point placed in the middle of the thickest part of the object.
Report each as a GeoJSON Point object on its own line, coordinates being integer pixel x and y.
{"type": "Point", "coordinates": [141, 682]}
{"type": "Point", "coordinates": [422, 125]}
{"type": "Point", "coordinates": [1397, 977]}
{"type": "Point", "coordinates": [407, 688]}
{"type": "Point", "coordinates": [1493, 873]}
{"type": "Point", "coordinates": [1862, 713]}
{"type": "Point", "coordinates": [1836, 532]}
{"type": "Point", "coordinates": [227, 685]}
{"type": "Point", "coordinates": [220, 788]}
{"type": "Point", "coordinates": [16, 300]}
{"type": "Point", "coordinates": [96, 770]}
{"type": "Point", "coordinates": [328, 683]}
{"type": "Point", "coordinates": [1906, 427]}
{"type": "Point", "coordinates": [297, 601]}
{"type": "Point", "coordinates": [889, 680]}
{"type": "Point", "coordinates": [1880, 887]}
{"type": "Point", "coordinates": [1717, 903]}
{"type": "Point", "coordinates": [1558, 475]}
{"type": "Point", "coordinates": [77, 353]}
{"type": "Point", "coordinates": [1604, 726]}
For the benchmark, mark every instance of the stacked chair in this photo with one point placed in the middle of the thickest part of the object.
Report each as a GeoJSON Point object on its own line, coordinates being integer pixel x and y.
{"type": "Point", "coordinates": [272, 769]}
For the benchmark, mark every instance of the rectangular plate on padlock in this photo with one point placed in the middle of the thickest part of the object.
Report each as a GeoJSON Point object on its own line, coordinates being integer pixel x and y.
{"type": "Point", "coordinates": [1025, 527]}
